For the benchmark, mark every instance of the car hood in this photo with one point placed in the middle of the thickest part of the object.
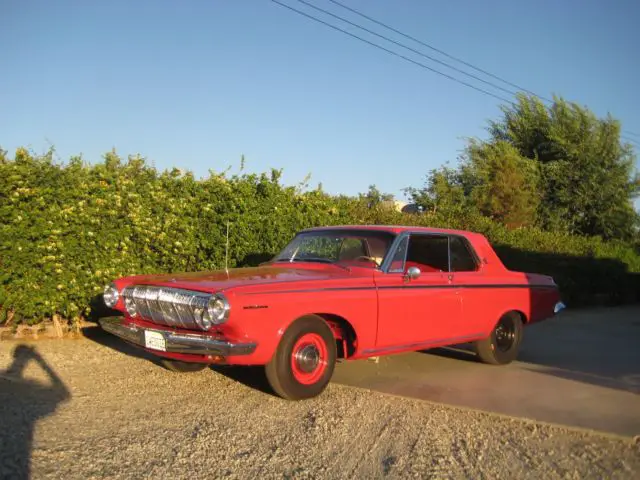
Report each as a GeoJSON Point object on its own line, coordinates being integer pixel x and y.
{"type": "Point", "coordinates": [213, 281]}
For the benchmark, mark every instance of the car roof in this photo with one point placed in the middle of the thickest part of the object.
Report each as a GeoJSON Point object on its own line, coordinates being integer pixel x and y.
{"type": "Point", "coordinates": [390, 228]}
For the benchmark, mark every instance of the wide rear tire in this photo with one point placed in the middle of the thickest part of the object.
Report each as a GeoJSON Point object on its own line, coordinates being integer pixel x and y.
{"type": "Point", "coordinates": [182, 367]}
{"type": "Point", "coordinates": [502, 346]}
{"type": "Point", "coordinates": [303, 363]}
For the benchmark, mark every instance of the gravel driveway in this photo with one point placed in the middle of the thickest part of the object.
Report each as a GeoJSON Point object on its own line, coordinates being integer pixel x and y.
{"type": "Point", "coordinates": [109, 414]}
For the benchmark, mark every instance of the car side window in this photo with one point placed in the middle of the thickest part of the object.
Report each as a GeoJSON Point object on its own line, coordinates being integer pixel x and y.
{"type": "Point", "coordinates": [397, 262]}
{"type": "Point", "coordinates": [430, 253]}
{"type": "Point", "coordinates": [461, 257]}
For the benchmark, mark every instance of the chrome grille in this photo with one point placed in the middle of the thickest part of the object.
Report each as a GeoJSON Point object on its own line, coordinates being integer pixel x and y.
{"type": "Point", "coordinates": [168, 306]}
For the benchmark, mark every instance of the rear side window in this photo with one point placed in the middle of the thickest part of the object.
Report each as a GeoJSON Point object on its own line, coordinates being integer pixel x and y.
{"type": "Point", "coordinates": [461, 257]}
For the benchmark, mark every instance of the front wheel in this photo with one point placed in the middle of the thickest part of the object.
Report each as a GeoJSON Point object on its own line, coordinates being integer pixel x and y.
{"type": "Point", "coordinates": [304, 361]}
{"type": "Point", "coordinates": [501, 347]}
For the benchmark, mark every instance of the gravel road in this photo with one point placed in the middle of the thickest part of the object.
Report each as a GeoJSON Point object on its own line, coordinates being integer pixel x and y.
{"type": "Point", "coordinates": [109, 414]}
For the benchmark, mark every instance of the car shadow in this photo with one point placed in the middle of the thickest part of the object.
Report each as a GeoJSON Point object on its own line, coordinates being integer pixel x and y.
{"type": "Point", "coordinates": [252, 377]}
{"type": "Point", "coordinates": [22, 403]}
{"type": "Point", "coordinates": [455, 352]}
{"type": "Point", "coordinates": [597, 355]}
{"type": "Point", "coordinates": [599, 347]}
{"type": "Point", "coordinates": [594, 346]}
{"type": "Point", "coordinates": [595, 339]}
{"type": "Point", "coordinates": [98, 335]}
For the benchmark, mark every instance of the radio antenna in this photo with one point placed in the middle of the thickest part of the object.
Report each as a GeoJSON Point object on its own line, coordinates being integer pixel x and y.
{"type": "Point", "coordinates": [226, 253]}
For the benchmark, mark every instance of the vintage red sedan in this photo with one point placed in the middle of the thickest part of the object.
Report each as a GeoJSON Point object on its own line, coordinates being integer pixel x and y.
{"type": "Point", "coordinates": [341, 292]}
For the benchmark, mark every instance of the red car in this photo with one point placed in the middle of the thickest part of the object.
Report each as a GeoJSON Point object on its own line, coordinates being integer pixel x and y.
{"type": "Point", "coordinates": [346, 292]}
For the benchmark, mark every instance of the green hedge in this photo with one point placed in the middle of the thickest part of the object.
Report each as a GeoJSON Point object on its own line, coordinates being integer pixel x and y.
{"type": "Point", "coordinates": [68, 229]}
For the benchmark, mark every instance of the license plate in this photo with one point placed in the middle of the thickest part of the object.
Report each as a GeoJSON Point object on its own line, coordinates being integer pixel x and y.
{"type": "Point", "coordinates": [155, 341]}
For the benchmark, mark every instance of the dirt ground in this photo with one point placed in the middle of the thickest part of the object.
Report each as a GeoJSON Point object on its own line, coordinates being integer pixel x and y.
{"type": "Point", "coordinates": [96, 408]}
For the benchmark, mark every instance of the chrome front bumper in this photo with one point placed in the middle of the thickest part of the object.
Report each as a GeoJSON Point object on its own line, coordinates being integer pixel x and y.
{"type": "Point", "coordinates": [196, 343]}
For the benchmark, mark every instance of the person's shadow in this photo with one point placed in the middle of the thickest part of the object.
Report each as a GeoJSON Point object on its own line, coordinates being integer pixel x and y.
{"type": "Point", "coordinates": [22, 403]}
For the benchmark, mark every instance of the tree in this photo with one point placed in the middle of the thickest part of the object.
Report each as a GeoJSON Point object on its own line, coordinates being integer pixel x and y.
{"type": "Point", "coordinates": [560, 168]}
{"type": "Point", "coordinates": [443, 193]}
{"type": "Point", "coordinates": [586, 181]}
{"type": "Point", "coordinates": [375, 197]}
{"type": "Point", "coordinates": [501, 183]}
{"type": "Point", "coordinates": [492, 179]}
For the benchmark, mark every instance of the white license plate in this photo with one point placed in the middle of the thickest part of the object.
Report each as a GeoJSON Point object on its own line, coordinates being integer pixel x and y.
{"type": "Point", "coordinates": [155, 341]}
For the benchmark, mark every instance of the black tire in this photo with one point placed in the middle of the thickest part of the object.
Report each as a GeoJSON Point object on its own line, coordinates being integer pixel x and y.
{"type": "Point", "coordinates": [182, 367]}
{"type": "Point", "coordinates": [502, 346]}
{"type": "Point", "coordinates": [286, 373]}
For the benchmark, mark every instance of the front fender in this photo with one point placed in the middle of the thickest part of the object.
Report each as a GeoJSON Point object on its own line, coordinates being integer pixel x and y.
{"type": "Point", "coordinates": [264, 318]}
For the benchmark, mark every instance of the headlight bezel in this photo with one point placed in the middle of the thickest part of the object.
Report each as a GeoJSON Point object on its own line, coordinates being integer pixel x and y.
{"type": "Point", "coordinates": [111, 295]}
{"type": "Point", "coordinates": [221, 314]}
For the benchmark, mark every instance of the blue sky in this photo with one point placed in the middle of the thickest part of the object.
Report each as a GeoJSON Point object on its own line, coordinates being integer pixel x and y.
{"type": "Point", "coordinates": [196, 84]}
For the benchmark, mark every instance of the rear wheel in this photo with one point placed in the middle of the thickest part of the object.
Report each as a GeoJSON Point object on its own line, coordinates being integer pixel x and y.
{"type": "Point", "coordinates": [182, 367]}
{"type": "Point", "coordinates": [303, 363]}
{"type": "Point", "coordinates": [502, 346]}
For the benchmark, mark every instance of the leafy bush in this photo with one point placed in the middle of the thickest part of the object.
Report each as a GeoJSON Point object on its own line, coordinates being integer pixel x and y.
{"type": "Point", "coordinates": [66, 230]}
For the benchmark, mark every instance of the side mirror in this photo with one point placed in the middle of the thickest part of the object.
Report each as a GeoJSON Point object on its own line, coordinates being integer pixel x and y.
{"type": "Point", "coordinates": [412, 273]}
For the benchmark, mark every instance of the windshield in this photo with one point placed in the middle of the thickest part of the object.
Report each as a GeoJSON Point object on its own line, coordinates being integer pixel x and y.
{"type": "Point", "coordinates": [365, 248]}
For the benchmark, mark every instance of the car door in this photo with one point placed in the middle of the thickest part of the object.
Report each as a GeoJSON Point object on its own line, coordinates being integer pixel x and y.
{"type": "Point", "coordinates": [472, 289]}
{"type": "Point", "coordinates": [419, 310]}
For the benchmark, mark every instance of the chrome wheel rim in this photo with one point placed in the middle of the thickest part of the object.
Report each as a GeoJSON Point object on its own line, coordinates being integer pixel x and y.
{"type": "Point", "coordinates": [505, 334]}
{"type": "Point", "coordinates": [307, 358]}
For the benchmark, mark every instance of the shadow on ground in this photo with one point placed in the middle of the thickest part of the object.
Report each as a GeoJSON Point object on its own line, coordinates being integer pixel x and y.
{"type": "Point", "coordinates": [579, 369]}
{"type": "Point", "coordinates": [252, 377]}
{"type": "Point", "coordinates": [598, 347]}
{"type": "Point", "coordinates": [98, 335]}
{"type": "Point", "coordinates": [22, 403]}
{"type": "Point", "coordinates": [600, 354]}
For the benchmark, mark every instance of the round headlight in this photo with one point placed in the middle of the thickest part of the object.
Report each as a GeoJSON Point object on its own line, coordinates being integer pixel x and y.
{"type": "Point", "coordinates": [111, 295]}
{"type": "Point", "coordinates": [218, 309]}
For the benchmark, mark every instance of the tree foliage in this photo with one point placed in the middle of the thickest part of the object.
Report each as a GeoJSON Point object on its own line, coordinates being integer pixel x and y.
{"type": "Point", "coordinates": [501, 183]}
{"type": "Point", "coordinates": [587, 172]}
{"type": "Point", "coordinates": [66, 230]}
{"type": "Point", "coordinates": [560, 168]}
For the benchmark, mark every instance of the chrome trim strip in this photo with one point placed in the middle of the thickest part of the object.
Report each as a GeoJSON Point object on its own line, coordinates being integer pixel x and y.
{"type": "Point", "coordinates": [199, 344]}
{"type": "Point", "coordinates": [407, 287]}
